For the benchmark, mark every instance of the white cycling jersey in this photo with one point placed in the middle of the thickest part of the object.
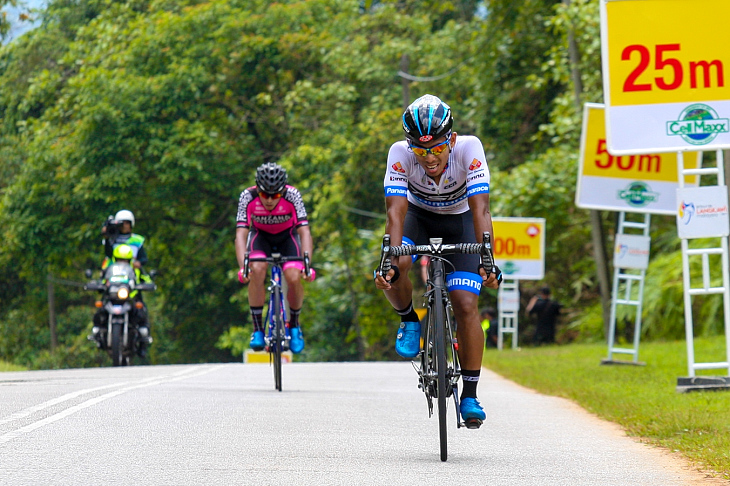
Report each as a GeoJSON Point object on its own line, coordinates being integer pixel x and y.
{"type": "Point", "coordinates": [466, 174]}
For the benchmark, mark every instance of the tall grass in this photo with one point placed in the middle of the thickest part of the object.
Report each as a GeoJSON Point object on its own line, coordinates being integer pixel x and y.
{"type": "Point", "coordinates": [10, 367]}
{"type": "Point", "coordinates": [642, 399]}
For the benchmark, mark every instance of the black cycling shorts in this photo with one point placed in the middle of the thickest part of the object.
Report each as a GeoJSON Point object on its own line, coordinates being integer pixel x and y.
{"type": "Point", "coordinates": [263, 244]}
{"type": "Point", "coordinates": [420, 225]}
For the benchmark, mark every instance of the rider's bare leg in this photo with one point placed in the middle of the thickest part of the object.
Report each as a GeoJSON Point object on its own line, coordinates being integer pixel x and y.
{"type": "Point", "coordinates": [256, 290]}
{"type": "Point", "coordinates": [469, 330]}
{"type": "Point", "coordinates": [295, 289]}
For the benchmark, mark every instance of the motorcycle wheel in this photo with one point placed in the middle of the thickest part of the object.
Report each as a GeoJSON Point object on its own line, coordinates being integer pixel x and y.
{"type": "Point", "coordinates": [117, 350]}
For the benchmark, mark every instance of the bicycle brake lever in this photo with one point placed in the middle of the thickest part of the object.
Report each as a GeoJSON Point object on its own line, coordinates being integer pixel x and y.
{"type": "Point", "coordinates": [385, 263]}
{"type": "Point", "coordinates": [307, 269]}
{"type": "Point", "coordinates": [245, 265]}
{"type": "Point", "coordinates": [487, 260]}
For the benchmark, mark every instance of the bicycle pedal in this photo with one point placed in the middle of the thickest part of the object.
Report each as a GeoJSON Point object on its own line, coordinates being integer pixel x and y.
{"type": "Point", "coordinates": [473, 423]}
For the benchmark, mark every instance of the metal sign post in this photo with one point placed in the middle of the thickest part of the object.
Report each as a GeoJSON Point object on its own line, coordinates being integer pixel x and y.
{"type": "Point", "coordinates": [631, 254]}
{"type": "Point", "coordinates": [509, 306]}
{"type": "Point", "coordinates": [703, 213]}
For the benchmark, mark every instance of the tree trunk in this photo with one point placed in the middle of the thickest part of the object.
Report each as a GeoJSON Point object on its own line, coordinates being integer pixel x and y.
{"type": "Point", "coordinates": [599, 247]}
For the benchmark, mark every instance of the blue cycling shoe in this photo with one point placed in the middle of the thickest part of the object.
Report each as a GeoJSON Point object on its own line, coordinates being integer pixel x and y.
{"type": "Point", "coordinates": [297, 340]}
{"type": "Point", "coordinates": [408, 340]}
{"type": "Point", "coordinates": [472, 413]}
{"type": "Point", "coordinates": [257, 341]}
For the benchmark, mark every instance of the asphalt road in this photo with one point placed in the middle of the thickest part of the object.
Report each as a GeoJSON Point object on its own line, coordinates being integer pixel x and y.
{"type": "Point", "coordinates": [334, 424]}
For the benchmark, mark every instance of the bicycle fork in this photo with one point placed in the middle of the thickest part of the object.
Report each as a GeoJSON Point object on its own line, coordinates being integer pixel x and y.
{"type": "Point", "coordinates": [426, 372]}
{"type": "Point", "coordinates": [276, 302]}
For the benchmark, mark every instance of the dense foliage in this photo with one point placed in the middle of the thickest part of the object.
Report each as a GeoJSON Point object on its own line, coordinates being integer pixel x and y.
{"type": "Point", "coordinates": [167, 107]}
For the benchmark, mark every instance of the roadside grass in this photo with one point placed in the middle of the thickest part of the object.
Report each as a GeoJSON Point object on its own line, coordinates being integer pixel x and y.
{"type": "Point", "coordinates": [642, 399]}
{"type": "Point", "coordinates": [10, 367]}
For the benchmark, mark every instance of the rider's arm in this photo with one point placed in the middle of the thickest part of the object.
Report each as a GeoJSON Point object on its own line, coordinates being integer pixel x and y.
{"type": "Point", "coordinates": [479, 205]}
{"type": "Point", "coordinates": [396, 209]}
{"type": "Point", "coordinates": [241, 240]}
{"type": "Point", "coordinates": [141, 256]}
{"type": "Point", "coordinates": [395, 184]}
{"type": "Point", "coordinates": [242, 224]}
{"type": "Point", "coordinates": [108, 247]}
{"type": "Point", "coordinates": [305, 236]}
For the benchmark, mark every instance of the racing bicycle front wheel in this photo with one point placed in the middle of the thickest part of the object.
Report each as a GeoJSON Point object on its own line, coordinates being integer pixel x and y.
{"type": "Point", "coordinates": [438, 325]}
{"type": "Point", "coordinates": [277, 337]}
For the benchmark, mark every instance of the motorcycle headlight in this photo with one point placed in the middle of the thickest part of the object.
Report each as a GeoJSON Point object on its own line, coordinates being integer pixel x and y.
{"type": "Point", "coordinates": [123, 293]}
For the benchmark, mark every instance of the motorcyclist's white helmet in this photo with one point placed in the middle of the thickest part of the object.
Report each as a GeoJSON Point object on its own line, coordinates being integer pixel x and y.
{"type": "Point", "coordinates": [125, 215]}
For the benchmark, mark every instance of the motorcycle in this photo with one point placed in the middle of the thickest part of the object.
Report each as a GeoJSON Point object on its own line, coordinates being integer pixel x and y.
{"type": "Point", "coordinates": [121, 337]}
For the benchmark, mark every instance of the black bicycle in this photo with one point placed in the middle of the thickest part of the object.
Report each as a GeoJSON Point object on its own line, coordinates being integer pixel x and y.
{"type": "Point", "coordinates": [438, 367]}
{"type": "Point", "coordinates": [276, 338]}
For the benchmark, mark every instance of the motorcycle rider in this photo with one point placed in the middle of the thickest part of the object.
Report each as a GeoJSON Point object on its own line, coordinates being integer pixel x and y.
{"type": "Point", "coordinates": [117, 231]}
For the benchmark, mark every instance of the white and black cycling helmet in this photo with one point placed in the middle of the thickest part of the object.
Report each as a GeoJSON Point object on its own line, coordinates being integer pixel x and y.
{"type": "Point", "coordinates": [125, 215]}
{"type": "Point", "coordinates": [426, 119]}
{"type": "Point", "coordinates": [271, 178]}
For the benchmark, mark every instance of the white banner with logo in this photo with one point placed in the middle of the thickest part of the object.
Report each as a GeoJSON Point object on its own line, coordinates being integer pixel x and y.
{"type": "Point", "coordinates": [631, 251]}
{"type": "Point", "coordinates": [509, 300]}
{"type": "Point", "coordinates": [669, 127]}
{"type": "Point", "coordinates": [702, 212]}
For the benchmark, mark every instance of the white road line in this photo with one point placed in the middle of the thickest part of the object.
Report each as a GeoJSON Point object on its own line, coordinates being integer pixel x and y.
{"type": "Point", "coordinates": [7, 437]}
{"type": "Point", "coordinates": [69, 396]}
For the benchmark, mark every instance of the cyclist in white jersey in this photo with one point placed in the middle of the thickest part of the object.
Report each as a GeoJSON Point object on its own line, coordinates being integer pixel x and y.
{"type": "Point", "coordinates": [437, 186]}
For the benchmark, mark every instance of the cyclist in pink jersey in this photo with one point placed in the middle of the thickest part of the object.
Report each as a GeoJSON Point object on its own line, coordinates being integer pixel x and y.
{"type": "Point", "coordinates": [272, 218]}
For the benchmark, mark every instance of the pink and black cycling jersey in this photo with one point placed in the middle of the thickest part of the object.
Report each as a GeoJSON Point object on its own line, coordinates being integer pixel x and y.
{"type": "Point", "coordinates": [288, 214]}
{"type": "Point", "coordinates": [466, 174]}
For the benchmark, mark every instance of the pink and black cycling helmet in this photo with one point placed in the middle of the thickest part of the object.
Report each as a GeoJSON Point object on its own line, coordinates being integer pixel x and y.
{"type": "Point", "coordinates": [426, 119]}
{"type": "Point", "coordinates": [271, 178]}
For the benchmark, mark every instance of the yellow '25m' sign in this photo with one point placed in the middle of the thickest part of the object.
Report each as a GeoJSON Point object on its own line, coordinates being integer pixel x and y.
{"type": "Point", "coordinates": [666, 74]}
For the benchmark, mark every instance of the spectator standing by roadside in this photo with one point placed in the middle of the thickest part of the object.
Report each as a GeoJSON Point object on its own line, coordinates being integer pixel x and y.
{"type": "Point", "coordinates": [547, 312]}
